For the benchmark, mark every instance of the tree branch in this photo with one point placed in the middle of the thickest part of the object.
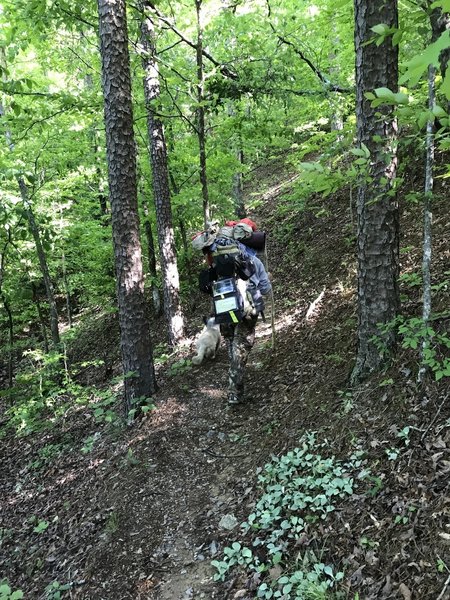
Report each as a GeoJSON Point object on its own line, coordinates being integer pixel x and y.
{"type": "Point", "coordinates": [331, 87]}
{"type": "Point", "coordinates": [222, 68]}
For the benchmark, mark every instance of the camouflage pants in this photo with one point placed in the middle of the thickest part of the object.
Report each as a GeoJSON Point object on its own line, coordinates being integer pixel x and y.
{"type": "Point", "coordinates": [239, 339]}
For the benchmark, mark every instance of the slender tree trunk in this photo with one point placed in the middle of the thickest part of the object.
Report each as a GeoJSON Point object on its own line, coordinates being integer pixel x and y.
{"type": "Point", "coordinates": [102, 196]}
{"type": "Point", "coordinates": [8, 312]}
{"type": "Point", "coordinates": [39, 248]}
{"type": "Point", "coordinates": [40, 315]}
{"type": "Point", "coordinates": [10, 339]}
{"type": "Point", "coordinates": [201, 115]}
{"type": "Point", "coordinates": [440, 22]}
{"type": "Point", "coordinates": [42, 262]}
{"type": "Point", "coordinates": [378, 221]}
{"type": "Point", "coordinates": [134, 325]}
{"type": "Point", "coordinates": [237, 186]}
{"type": "Point", "coordinates": [161, 189]}
{"type": "Point", "coordinates": [151, 254]}
{"type": "Point", "coordinates": [66, 291]}
{"type": "Point", "coordinates": [337, 119]}
{"type": "Point", "coordinates": [427, 219]}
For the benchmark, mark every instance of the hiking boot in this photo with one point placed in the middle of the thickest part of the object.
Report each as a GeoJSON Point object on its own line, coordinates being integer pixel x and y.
{"type": "Point", "coordinates": [233, 398]}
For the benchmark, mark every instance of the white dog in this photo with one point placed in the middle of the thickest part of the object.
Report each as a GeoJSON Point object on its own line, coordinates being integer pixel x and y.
{"type": "Point", "coordinates": [208, 342]}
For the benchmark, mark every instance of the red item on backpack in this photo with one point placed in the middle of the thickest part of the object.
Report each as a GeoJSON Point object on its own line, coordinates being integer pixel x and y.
{"type": "Point", "coordinates": [247, 221]}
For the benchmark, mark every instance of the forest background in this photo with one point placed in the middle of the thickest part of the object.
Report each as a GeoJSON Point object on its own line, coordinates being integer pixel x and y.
{"type": "Point", "coordinates": [215, 89]}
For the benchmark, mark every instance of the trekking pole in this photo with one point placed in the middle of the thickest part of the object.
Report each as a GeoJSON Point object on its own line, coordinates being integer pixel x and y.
{"type": "Point", "coordinates": [272, 302]}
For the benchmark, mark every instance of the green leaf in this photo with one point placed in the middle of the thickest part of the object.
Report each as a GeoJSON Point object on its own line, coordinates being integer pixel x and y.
{"type": "Point", "coordinates": [384, 93]}
{"type": "Point", "coordinates": [5, 590]}
{"type": "Point", "coordinates": [438, 111]}
{"type": "Point", "coordinates": [401, 98]}
{"type": "Point", "coordinates": [381, 28]}
{"type": "Point", "coordinates": [328, 570]}
{"type": "Point", "coordinates": [430, 56]}
{"type": "Point", "coordinates": [444, 4]}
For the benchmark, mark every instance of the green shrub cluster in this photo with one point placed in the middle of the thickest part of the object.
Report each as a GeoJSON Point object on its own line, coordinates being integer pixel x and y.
{"type": "Point", "coordinates": [299, 489]}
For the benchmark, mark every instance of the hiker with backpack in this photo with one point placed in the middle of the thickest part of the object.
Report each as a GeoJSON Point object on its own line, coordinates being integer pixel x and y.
{"type": "Point", "coordinates": [237, 280]}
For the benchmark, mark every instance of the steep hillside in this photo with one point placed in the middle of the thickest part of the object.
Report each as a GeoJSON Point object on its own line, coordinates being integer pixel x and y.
{"type": "Point", "coordinates": [100, 511]}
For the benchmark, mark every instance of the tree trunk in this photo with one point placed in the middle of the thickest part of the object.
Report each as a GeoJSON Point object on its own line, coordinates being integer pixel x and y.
{"type": "Point", "coordinates": [102, 197]}
{"type": "Point", "coordinates": [42, 262]}
{"type": "Point", "coordinates": [238, 187]}
{"type": "Point", "coordinates": [39, 248]}
{"type": "Point", "coordinates": [201, 115]}
{"type": "Point", "coordinates": [40, 315]}
{"type": "Point", "coordinates": [161, 190]}
{"type": "Point", "coordinates": [427, 219]}
{"type": "Point", "coordinates": [378, 227]}
{"type": "Point", "coordinates": [440, 22]}
{"type": "Point", "coordinates": [152, 268]}
{"type": "Point", "coordinates": [120, 146]}
{"type": "Point", "coordinates": [8, 312]}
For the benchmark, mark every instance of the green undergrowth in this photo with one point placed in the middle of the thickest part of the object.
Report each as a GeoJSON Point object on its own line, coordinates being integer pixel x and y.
{"type": "Point", "coordinates": [46, 393]}
{"type": "Point", "coordinates": [277, 547]}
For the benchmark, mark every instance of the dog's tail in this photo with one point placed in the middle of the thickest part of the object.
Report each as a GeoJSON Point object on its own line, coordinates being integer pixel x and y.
{"type": "Point", "coordinates": [198, 359]}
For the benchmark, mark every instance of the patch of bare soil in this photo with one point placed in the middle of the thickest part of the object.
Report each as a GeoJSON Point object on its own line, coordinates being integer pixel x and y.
{"type": "Point", "coordinates": [138, 513]}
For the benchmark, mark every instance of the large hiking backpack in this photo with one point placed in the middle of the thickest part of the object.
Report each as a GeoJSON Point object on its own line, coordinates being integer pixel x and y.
{"type": "Point", "coordinates": [230, 263]}
{"type": "Point", "coordinates": [230, 256]}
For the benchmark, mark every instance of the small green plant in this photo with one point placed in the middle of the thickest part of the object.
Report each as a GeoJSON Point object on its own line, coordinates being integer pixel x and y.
{"type": "Point", "coordinates": [180, 367]}
{"type": "Point", "coordinates": [55, 590]}
{"type": "Point", "coordinates": [6, 593]}
{"type": "Point", "coordinates": [112, 524]}
{"type": "Point", "coordinates": [441, 566]}
{"type": "Point", "coordinates": [40, 527]}
{"type": "Point", "coordinates": [415, 334]}
{"type": "Point", "coordinates": [347, 400]}
{"type": "Point", "coordinates": [366, 542]}
{"type": "Point", "coordinates": [377, 485]}
{"type": "Point", "coordinates": [299, 489]}
{"type": "Point", "coordinates": [401, 520]}
{"type": "Point", "coordinates": [130, 460]}
{"type": "Point", "coordinates": [392, 453]}
{"type": "Point", "coordinates": [404, 435]}
{"type": "Point", "coordinates": [88, 443]}
{"type": "Point", "coordinates": [411, 279]}
{"type": "Point", "coordinates": [140, 405]}
{"type": "Point", "coordinates": [45, 455]}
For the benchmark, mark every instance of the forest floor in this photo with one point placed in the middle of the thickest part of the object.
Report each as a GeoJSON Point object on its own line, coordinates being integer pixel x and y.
{"type": "Point", "coordinates": [91, 510]}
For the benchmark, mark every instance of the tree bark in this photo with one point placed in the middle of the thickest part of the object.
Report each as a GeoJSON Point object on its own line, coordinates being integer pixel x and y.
{"type": "Point", "coordinates": [120, 146]}
{"type": "Point", "coordinates": [7, 308]}
{"type": "Point", "coordinates": [201, 115]}
{"type": "Point", "coordinates": [161, 189]}
{"type": "Point", "coordinates": [427, 220]}
{"type": "Point", "coordinates": [152, 268]}
{"type": "Point", "coordinates": [377, 208]}
{"type": "Point", "coordinates": [440, 22]}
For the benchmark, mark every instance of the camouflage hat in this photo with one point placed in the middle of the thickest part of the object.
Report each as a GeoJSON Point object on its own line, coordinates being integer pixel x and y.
{"type": "Point", "coordinates": [226, 232]}
{"type": "Point", "coordinates": [242, 231]}
{"type": "Point", "coordinates": [203, 240]}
